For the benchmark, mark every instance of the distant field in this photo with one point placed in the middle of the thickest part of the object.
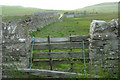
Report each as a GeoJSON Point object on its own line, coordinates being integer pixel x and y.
{"type": "Point", "coordinates": [110, 7]}
{"type": "Point", "coordinates": [18, 10]}
{"type": "Point", "coordinates": [12, 10]}
{"type": "Point", "coordinates": [74, 26]}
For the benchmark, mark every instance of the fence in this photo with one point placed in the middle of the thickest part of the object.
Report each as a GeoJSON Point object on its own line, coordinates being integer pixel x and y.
{"type": "Point", "coordinates": [55, 58]}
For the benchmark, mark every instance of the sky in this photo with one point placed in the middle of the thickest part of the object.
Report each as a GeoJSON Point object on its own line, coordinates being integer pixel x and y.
{"type": "Point", "coordinates": [54, 4]}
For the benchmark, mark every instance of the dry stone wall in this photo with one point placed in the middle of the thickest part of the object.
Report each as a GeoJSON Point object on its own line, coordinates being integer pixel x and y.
{"type": "Point", "coordinates": [40, 22]}
{"type": "Point", "coordinates": [103, 47]}
{"type": "Point", "coordinates": [15, 45]}
{"type": "Point", "coordinates": [16, 41]}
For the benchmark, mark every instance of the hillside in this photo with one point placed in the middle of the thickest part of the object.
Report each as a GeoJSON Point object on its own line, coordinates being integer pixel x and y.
{"type": "Point", "coordinates": [13, 10]}
{"type": "Point", "coordinates": [100, 8]}
{"type": "Point", "coordinates": [108, 7]}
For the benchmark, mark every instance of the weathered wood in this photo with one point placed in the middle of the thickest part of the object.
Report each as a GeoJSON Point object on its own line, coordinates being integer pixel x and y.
{"type": "Point", "coordinates": [52, 39]}
{"type": "Point", "coordinates": [59, 55]}
{"type": "Point", "coordinates": [79, 38]}
{"type": "Point", "coordinates": [71, 62]}
{"type": "Point", "coordinates": [62, 60]}
{"type": "Point", "coordinates": [65, 45]}
{"type": "Point", "coordinates": [16, 42]}
{"type": "Point", "coordinates": [55, 74]}
{"type": "Point", "coordinates": [41, 40]}
{"type": "Point", "coordinates": [50, 58]}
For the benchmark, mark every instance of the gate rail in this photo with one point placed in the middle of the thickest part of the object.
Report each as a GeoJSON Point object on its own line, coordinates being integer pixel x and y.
{"type": "Point", "coordinates": [72, 42]}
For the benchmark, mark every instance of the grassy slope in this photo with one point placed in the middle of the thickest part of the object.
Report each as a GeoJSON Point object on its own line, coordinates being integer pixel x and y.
{"type": "Point", "coordinates": [103, 7]}
{"type": "Point", "coordinates": [12, 10]}
{"type": "Point", "coordinates": [74, 26]}
{"type": "Point", "coordinates": [6, 10]}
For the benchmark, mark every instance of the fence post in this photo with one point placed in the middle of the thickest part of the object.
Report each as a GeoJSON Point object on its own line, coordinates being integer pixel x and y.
{"type": "Point", "coordinates": [51, 67]}
{"type": "Point", "coordinates": [71, 61]}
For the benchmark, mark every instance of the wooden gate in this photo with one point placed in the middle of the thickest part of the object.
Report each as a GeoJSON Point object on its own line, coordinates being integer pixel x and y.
{"type": "Point", "coordinates": [51, 44]}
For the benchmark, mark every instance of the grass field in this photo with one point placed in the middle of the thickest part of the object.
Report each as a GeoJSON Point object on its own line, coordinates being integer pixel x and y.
{"type": "Point", "coordinates": [17, 10]}
{"type": "Point", "coordinates": [12, 10]}
{"type": "Point", "coordinates": [111, 7]}
{"type": "Point", "coordinates": [108, 7]}
{"type": "Point", "coordinates": [74, 26]}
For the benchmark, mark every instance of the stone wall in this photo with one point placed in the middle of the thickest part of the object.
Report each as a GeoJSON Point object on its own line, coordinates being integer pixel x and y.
{"type": "Point", "coordinates": [40, 22]}
{"type": "Point", "coordinates": [103, 47]}
{"type": "Point", "coordinates": [16, 41]}
{"type": "Point", "coordinates": [46, 13]}
{"type": "Point", "coordinates": [33, 22]}
{"type": "Point", "coordinates": [15, 46]}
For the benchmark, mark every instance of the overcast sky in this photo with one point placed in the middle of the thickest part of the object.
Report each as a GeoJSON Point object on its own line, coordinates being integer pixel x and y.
{"type": "Point", "coordinates": [54, 4]}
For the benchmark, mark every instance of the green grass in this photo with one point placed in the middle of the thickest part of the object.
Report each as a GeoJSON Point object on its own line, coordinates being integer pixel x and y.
{"type": "Point", "coordinates": [78, 66]}
{"type": "Point", "coordinates": [64, 29]}
{"type": "Point", "coordinates": [108, 7]}
{"type": "Point", "coordinates": [40, 29]}
{"type": "Point", "coordinates": [74, 26]}
{"type": "Point", "coordinates": [64, 50]}
{"type": "Point", "coordinates": [13, 10]}
{"type": "Point", "coordinates": [100, 8]}
{"type": "Point", "coordinates": [14, 18]}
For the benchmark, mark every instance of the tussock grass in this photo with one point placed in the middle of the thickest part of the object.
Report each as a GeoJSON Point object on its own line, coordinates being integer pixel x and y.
{"type": "Point", "coordinates": [74, 26]}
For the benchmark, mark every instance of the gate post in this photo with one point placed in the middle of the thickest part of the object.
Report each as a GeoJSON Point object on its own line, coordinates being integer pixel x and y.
{"type": "Point", "coordinates": [103, 47]}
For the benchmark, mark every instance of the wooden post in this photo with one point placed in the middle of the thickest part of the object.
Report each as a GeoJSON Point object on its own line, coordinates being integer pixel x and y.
{"type": "Point", "coordinates": [51, 67]}
{"type": "Point", "coordinates": [71, 61]}
{"type": "Point", "coordinates": [30, 55]}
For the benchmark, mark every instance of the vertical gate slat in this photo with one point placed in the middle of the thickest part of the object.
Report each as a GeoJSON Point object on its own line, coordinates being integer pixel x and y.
{"type": "Point", "coordinates": [51, 67]}
{"type": "Point", "coordinates": [71, 60]}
